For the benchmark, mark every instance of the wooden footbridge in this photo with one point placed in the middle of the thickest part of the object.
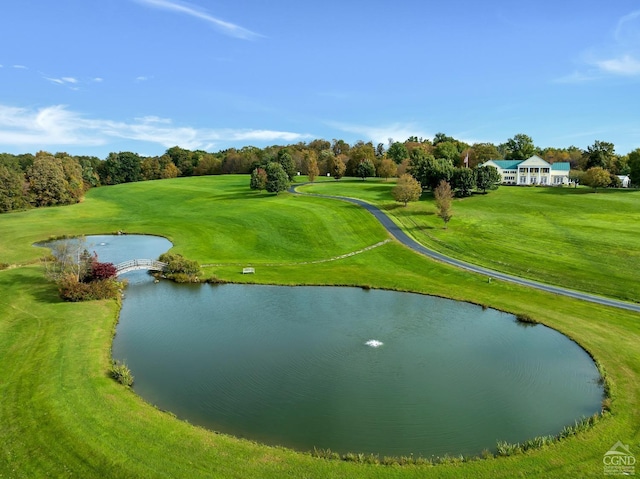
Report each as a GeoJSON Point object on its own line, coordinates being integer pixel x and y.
{"type": "Point", "coordinates": [139, 264]}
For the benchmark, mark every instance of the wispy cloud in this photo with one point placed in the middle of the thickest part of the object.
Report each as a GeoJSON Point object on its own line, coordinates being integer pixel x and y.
{"type": "Point", "coordinates": [578, 77]}
{"type": "Point", "coordinates": [227, 28]}
{"type": "Point", "coordinates": [627, 29]}
{"type": "Point", "coordinates": [57, 125]}
{"type": "Point", "coordinates": [20, 67]}
{"type": "Point", "coordinates": [624, 65]}
{"type": "Point", "coordinates": [141, 79]}
{"type": "Point", "coordinates": [382, 134]}
{"type": "Point", "coordinates": [619, 57]}
{"type": "Point", "coordinates": [63, 80]}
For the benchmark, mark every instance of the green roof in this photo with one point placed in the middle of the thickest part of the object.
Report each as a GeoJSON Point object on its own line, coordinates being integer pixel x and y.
{"type": "Point", "coordinates": [507, 164]}
{"type": "Point", "coordinates": [513, 165]}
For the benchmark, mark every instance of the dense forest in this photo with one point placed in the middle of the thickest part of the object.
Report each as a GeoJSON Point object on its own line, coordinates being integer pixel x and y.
{"type": "Point", "coordinates": [47, 179]}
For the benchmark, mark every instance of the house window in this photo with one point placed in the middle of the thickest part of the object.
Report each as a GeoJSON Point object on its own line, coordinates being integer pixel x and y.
{"type": "Point", "coordinates": [523, 180]}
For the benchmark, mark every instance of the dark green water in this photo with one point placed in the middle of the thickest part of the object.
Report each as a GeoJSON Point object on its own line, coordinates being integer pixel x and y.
{"type": "Point", "coordinates": [290, 366]}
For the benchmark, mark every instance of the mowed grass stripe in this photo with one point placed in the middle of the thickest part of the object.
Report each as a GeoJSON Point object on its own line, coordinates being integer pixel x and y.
{"type": "Point", "coordinates": [564, 236]}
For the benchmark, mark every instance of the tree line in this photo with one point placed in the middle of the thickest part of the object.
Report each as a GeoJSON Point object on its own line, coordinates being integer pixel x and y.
{"type": "Point", "coordinates": [47, 179]}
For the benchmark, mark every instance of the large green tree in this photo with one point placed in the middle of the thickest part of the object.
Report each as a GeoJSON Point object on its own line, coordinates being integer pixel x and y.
{"type": "Point", "coordinates": [464, 181]}
{"type": "Point", "coordinates": [447, 150]}
{"type": "Point", "coordinates": [487, 178]}
{"type": "Point", "coordinates": [520, 147]}
{"type": "Point", "coordinates": [360, 152]}
{"type": "Point", "coordinates": [258, 179]}
{"type": "Point", "coordinates": [365, 169]}
{"type": "Point", "coordinates": [600, 154]}
{"type": "Point", "coordinates": [277, 179]}
{"type": "Point", "coordinates": [123, 167]}
{"type": "Point", "coordinates": [634, 167]}
{"type": "Point", "coordinates": [286, 160]}
{"type": "Point", "coordinates": [428, 170]}
{"type": "Point", "coordinates": [185, 160]}
{"type": "Point", "coordinates": [482, 152]}
{"type": "Point", "coordinates": [398, 152]}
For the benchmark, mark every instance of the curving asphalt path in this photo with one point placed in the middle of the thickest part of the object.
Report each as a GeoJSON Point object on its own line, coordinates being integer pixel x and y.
{"type": "Point", "coordinates": [406, 240]}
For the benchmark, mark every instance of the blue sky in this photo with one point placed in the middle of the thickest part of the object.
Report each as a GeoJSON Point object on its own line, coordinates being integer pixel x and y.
{"type": "Point", "coordinates": [91, 77]}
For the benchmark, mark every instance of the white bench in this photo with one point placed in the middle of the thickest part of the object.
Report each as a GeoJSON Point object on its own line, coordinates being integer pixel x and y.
{"type": "Point", "coordinates": [248, 270]}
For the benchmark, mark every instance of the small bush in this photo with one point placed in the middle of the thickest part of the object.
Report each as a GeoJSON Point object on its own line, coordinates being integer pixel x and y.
{"type": "Point", "coordinates": [100, 271]}
{"type": "Point", "coordinates": [526, 319]}
{"type": "Point", "coordinates": [4, 266]}
{"type": "Point", "coordinates": [121, 373]}
{"type": "Point", "coordinates": [71, 289]}
{"type": "Point", "coordinates": [176, 263]}
{"type": "Point", "coordinates": [507, 449]}
{"type": "Point", "coordinates": [104, 289]}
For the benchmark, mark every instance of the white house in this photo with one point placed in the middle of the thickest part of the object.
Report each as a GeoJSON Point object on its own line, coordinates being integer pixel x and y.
{"type": "Point", "coordinates": [625, 181]}
{"type": "Point", "coordinates": [532, 171]}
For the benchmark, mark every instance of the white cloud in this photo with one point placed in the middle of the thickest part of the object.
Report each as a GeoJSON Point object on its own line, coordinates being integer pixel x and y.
{"type": "Point", "coordinates": [20, 67]}
{"type": "Point", "coordinates": [141, 78]}
{"type": "Point", "coordinates": [620, 56]}
{"type": "Point", "coordinates": [62, 81]}
{"type": "Point", "coordinates": [56, 125]}
{"type": "Point", "coordinates": [381, 134]}
{"type": "Point", "coordinates": [227, 28]}
{"type": "Point", "coordinates": [98, 80]}
{"type": "Point", "coordinates": [627, 29]}
{"type": "Point", "coordinates": [624, 65]}
{"type": "Point", "coordinates": [578, 77]}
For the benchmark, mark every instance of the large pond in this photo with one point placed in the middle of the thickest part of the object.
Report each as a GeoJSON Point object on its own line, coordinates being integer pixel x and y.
{"type": "Point", "coordinates": [344, 368]}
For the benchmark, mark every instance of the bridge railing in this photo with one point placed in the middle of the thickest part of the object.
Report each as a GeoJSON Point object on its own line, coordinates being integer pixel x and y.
{"type": "Point", "coordinates": [138, 264]}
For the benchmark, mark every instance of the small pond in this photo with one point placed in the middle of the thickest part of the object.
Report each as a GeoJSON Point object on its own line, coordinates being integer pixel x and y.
{"type": "Point", "coordinates": [344, 368]}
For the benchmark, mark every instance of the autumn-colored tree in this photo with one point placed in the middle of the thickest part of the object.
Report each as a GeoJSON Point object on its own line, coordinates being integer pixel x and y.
{"type": "Point", "coordinates": [444, 197]}
{"type": "Point", "coordinates": [209, 164]}
{"type": "Point", "coordinates": [407, 189]}
{"type": "Point", "coordinates": [596, 177]}
{"type": "Point", "coordinates": [12, 195]}
{"type": "Point", "coordinates": [312, 165]}
{"type": "Point", "coordinates": [47, 183]}
{"type": "Point", "coordinates": [101, 271]}
{"type": "Point", "coordinates": [387, 168]}
{"type": "Point", "coordinates": [338, 168]}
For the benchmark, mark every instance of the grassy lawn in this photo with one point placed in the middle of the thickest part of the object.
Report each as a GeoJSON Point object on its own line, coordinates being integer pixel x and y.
{"type": "Point", "coordinates": [61, 416]}
{"type": "Point", "coordinates": [564, 236]}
